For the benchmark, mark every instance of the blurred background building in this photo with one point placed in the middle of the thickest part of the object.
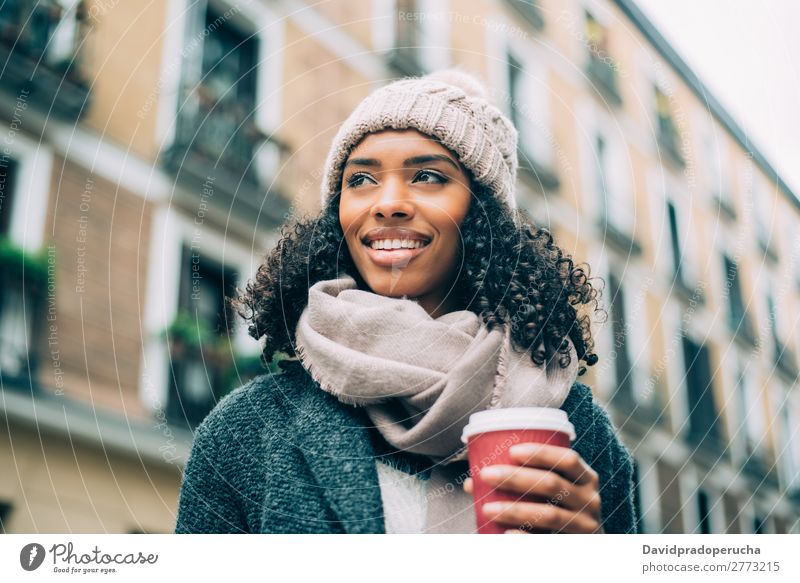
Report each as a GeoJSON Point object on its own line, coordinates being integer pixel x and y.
{"type": "Point", "coordinates": [151, 151]}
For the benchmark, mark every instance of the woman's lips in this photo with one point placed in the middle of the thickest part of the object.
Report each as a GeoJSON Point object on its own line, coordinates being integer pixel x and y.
{"type": "Point", "coordinates": [393, 257]}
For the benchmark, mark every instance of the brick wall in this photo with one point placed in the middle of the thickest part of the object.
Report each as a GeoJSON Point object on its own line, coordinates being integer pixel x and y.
{"type": "Point", "coordinates": [101, 235]}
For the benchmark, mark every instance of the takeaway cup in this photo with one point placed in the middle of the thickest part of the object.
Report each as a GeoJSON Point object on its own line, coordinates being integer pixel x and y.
{"type": "Point", "coordinates": [490, 434]}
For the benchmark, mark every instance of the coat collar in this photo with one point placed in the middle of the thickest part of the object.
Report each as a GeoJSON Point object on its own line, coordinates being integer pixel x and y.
{"type": "Point", "coordinates": [336, 445]}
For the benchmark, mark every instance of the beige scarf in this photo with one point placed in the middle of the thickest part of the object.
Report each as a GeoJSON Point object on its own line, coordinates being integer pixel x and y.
{"type": "Point", "coordinates": [419, 378]}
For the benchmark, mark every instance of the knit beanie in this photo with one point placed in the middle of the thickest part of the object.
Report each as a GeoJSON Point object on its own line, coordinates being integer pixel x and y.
{"type": "Point", "coordinates": [449, 105]}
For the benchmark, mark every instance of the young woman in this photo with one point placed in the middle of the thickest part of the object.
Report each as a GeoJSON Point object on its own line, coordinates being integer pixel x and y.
{"type": "Point", "coordinates": [418, 296]}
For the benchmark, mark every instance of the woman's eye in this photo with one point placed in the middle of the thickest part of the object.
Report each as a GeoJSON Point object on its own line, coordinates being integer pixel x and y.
{"type": "Point", "coordinates": [437, 178]}
{"type": "Point", "coordinates": [355, 180]}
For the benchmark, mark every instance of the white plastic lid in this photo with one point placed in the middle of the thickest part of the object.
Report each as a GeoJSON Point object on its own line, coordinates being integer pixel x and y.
{"type": "Point", "coordinates": [545, 418]}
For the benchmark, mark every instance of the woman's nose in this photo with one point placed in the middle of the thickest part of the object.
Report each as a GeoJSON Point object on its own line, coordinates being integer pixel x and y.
{"type": "Point", "coordinates": [393, 199]}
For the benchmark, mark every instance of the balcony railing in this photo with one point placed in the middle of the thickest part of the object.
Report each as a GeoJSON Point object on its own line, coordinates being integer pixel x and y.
{"type": "Point", "coordinates": [23, 283]}
{"type": "Point", "coordinates": [204, 368]}
{"type": "Point", "coordinates": [218, 141]}
{"type": "Point", "coordinates": [40, 47]}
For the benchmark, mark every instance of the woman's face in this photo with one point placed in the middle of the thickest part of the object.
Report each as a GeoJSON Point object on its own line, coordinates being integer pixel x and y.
{"type": "Point", "coordinates": [404, 189]}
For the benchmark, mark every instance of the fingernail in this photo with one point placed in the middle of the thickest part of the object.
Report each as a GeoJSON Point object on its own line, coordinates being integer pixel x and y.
{"type": "Point", "coordinates": [524, 449]}
{"type": "Point", "coordinates": [494, 507]}
{"type": "Point", "coordinates": [494, 472]}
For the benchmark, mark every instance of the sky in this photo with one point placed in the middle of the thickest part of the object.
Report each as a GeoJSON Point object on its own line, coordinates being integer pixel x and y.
{"type": "Point", "coordinates": [747, 52]}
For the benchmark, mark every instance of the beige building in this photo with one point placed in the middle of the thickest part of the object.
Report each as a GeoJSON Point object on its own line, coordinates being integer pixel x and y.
{"type": "Point", "coordinates": [151, 151]}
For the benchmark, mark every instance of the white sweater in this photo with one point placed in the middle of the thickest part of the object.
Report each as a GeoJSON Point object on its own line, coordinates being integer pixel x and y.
{"type": "Point", "coordinates": [407, 502]}
{"type": "Point", "coordinates": [404, 500]}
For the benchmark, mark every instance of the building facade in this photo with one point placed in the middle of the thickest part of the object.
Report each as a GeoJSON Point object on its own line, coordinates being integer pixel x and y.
{"type": "Point", "coordinates": [151, 153]}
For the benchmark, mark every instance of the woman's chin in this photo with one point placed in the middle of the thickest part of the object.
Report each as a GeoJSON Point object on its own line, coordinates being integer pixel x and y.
{"type": "Point", "coordinates": [394, 287]}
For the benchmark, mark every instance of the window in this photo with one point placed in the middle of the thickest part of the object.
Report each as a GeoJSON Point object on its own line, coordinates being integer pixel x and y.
{"type": "Point", "coordinates": [789, 449]}
{"type": "Point", "coordinates": [44, 40]}
{"type": "Point", "coordinates": [753, 424]}
{"type": "Point", "coordinates": [795, 254]}
{"type": "Point", "coordinates": [8, 175]}
{"type": "Point", "coordinates": [601, 68]}
{"type": "Point", "coordinates": [759, 524]}
{"type": "Point", "coordinates": [528, 10]}
{"type": "Point", "coordinates": [225, 95]}
{"type": "Point", "coordinates": [684, 277]}
{"type": "Point", "coordinates": [601, 173]}
{"type": "Point", "coordinates": [671, 499]}
{"type": "Point", "coordinates": [529, 111]}
{"type": "Point", "coordinates": [675, 244]}
{"type": "Point", "coordinates": [217, 135]}
{"type": "Point", "coordinates": [703, 512]}
{"type": "Point", "coordinates": [762, 197]}
{"type": "Point", "coordinates": [738, 320]}
{"type": "Point", "coordinates": [714, 148]}
{"type": "Point", "coordinates": [783, 357]}
{"type": "Point", "coordinates": [406, 54]}
{"type": "Point", "coordinates": [5, 513]}
{"type": "Point", "coordinates": [201, 355]}
{"type": "Point", "coordinates": [613, 190]}
{"type": "Point", "coordinates": [623, 394]}
{"type": "Point", "coordinates": [667, 131]}
{"type": "Point", "coordinates": [703, 416]}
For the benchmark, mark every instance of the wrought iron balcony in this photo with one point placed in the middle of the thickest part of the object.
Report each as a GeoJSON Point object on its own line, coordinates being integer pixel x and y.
{"type": "Point", "coordinates": [218, 141]}
{"type": "Point", "coordinates": [40, 44]}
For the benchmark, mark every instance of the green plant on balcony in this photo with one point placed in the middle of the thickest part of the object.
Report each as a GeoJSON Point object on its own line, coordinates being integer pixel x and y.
{"type": "Point", "coordinates": [191, 338]}
{"type": "Point", "coordinates": [22, 265]}
{"type": "Point", "coordinates": [188, 335]}
{"type": "Point", "coordinates": [23, 283]}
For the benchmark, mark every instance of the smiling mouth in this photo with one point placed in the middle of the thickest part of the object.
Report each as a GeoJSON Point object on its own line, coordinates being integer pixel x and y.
{"type": "Point", "coordinates": [400, 257]}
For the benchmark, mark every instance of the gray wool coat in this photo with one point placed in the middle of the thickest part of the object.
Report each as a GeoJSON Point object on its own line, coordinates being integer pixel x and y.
{"type": "Point", "coordinates": [280, 455]}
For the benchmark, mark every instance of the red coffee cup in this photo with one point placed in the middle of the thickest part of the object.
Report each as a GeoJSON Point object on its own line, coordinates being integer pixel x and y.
{"type": "Point", "coordinates": [490, 434]}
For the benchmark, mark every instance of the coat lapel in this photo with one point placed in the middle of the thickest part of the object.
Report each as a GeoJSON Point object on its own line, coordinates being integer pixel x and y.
{"type": "Point", "coordinates": [335, 443]}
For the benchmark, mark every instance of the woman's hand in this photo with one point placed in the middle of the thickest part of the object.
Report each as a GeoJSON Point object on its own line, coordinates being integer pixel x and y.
{"type": "Point", "coordinates": [557, 474]}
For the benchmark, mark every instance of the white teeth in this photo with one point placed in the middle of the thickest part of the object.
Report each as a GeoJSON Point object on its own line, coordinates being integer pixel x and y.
{"type": "Point", "coordinates": [396, 244]}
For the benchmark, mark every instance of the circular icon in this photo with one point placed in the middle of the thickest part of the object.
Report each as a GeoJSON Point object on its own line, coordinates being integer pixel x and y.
{"type": "Point", "coordinates": [31, 556]}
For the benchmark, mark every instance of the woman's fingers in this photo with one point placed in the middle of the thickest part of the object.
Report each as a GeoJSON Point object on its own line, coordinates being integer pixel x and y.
{"type": "Point", "coordinates": [468, 485]}
{"type": "Point", "coordinates": [543, 483]}
{"type": "Point", "coordinates": [563, 460]}
{"type": "Point", "coordinates": [533, 515]}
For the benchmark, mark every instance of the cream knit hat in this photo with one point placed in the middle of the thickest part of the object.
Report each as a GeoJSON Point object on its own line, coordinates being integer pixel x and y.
{"type": "Point", "coordinates": [449, 105]}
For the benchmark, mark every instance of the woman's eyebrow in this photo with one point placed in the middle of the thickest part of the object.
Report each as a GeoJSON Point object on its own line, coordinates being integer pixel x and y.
{"type": "Point", "coordinates": [413, 161]}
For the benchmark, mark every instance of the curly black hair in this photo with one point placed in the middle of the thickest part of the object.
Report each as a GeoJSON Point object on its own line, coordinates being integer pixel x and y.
{"type": "Point", "coordinates": [508, 273]}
